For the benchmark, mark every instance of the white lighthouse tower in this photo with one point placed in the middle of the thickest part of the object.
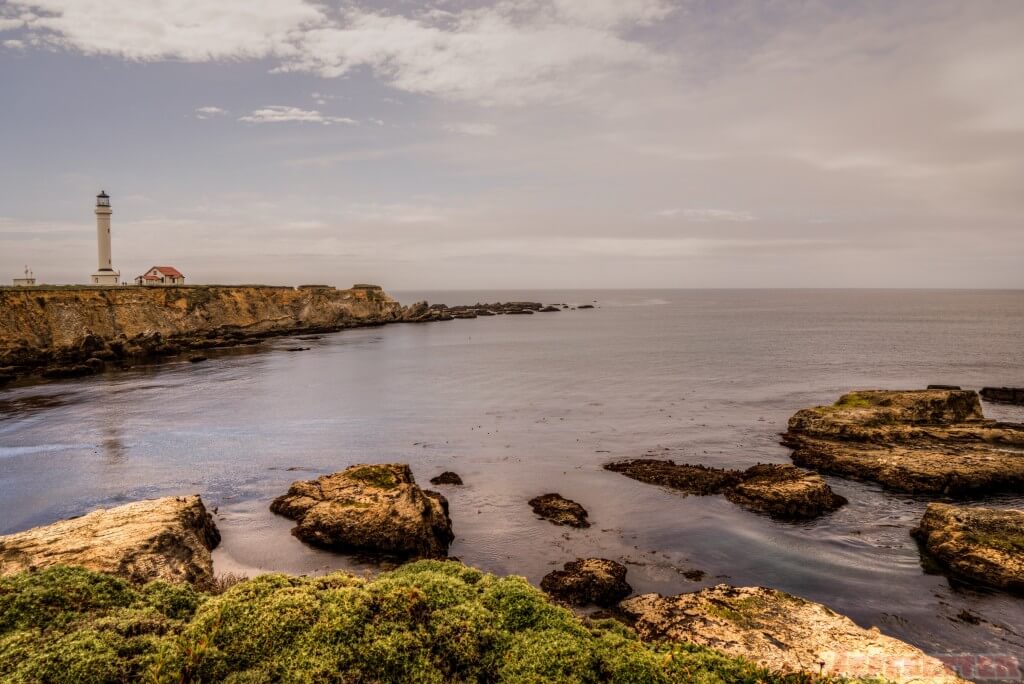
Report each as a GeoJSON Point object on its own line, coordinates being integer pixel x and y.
{"type": "Point", "coordinates": [105, 273]}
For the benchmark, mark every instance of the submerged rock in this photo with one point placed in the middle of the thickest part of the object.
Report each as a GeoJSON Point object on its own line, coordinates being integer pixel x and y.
{"type": "Point", "coordinates": [446, 478]}
{"type": "Point", "coordinates": [781, 632]}
{"type": "Point", "coordinates": [168, 539]}
{"type": "Point", "coordinates": [983, 545]}
{"type": "Point", "coordinates": [376, 508]}
{"type": "Point", "coordinates": [920, 441]}
{"type": "Point", "coordinates": [586, 581]}
{"type": "Point", "coordinates": [559, 510]}
{"type": "Point", "coordinates": [779, 490]}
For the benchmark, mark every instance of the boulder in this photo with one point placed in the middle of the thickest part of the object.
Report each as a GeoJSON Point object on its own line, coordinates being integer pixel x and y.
{"type": "Point", "coordinates": [374, 508]}
{"type": "Point", "coordinates": [784, 491]}
{"type": "Point", "coordinates": [586, 581]}
{"type": "Point", "coordinates": [934, 442]}
{"type": "Point", "coordinates": [168, 539]}
{"type": "Point", "coordinates": [446, 478]}
{"type": "Point", "coordinates": [559, 510]}
{"type": "Point", "coordinates": [982, 545]}
{"type": "Point", "coordinates": [778, 490]}
{"type": "Point", "coordinates": [781, 632]}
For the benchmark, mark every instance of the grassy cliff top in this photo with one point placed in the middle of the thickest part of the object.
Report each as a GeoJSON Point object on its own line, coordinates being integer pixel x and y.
{"type": "Point", "coordinates": [430, 621]}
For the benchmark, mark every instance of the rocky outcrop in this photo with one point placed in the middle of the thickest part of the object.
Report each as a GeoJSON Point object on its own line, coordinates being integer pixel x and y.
{"type": "Point", "coordinates": [559, 510]}
{"type": "Point", "coordinates": [168, 539]}
{"type": "Point", "coordinates": [446, 478]}
{"type": "Point", "coordinates": [371, 508]}
{"type": "Point", "coordinates": [1005, 395]}
{"type": "Point", "coordinates": [781, 632]}
{"type": "Point", "coordinates": [72, 332]}
{"type": "Point", "coordinates": [778, 490]}
{"type": "Point", "coordinates": [587, 581]}
{"type": "Point", "coordinates": [982, 545]}
{"type": "Point", "coordinates": [424, 312]}
{"type": "Point", "coordinates": [934, 442]}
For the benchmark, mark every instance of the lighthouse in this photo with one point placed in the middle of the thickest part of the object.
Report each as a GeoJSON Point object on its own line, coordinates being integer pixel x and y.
{"type": "Point", "coordinates": [105, 273]}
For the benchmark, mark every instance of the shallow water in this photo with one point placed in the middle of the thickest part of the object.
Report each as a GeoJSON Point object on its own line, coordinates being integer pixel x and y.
{"type": "Point", "coordinates": [523, 405]}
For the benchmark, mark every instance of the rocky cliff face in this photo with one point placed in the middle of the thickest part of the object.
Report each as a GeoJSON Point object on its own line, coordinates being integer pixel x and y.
{"type": "Point", "coordinates": [71, 332]}
{"type": "Point", "coordinates": [62, 316]}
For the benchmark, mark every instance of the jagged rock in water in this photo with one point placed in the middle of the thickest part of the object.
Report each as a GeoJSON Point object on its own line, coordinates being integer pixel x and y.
{"type": "Point", "coordinates": [169, 539]}
{"type": "Point", "coordinates": [781, 632]}
{"type": "Point", "coordinates": [586, 581]}
{"type": "Point", "coordinates": [1006, 395]}
{"type": "Point", "coordinates": [376, 508]}
{"type": "Point", "coordinates": [779, 490]}
{"type": "Point", "coordinates": [559, 510]}
{"type": "Point", "coordinates": [446, 478]}
{"type": "Point", "coordinates": [920, 441]}
{"type": "Point", "coordinates": [982, 545]}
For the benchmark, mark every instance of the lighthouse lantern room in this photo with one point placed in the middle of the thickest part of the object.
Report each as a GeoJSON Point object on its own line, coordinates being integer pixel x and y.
{"type": "Point", "coordinates": [105, 273]}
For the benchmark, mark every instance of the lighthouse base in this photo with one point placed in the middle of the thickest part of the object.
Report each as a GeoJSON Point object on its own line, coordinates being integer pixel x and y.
{"type": "Point", "coordinates": [106, 277]}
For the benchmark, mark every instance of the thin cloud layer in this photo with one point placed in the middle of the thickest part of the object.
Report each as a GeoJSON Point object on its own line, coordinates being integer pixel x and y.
{"type": "Point", "coordinates": [285, 114]}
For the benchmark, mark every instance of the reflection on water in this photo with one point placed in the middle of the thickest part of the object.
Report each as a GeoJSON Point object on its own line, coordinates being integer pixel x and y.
{"type": "Point", "coordinates": [519, 406]}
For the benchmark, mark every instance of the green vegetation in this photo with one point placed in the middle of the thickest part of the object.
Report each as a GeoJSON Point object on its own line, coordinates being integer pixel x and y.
{"type": "Point", "coordinates": [852, 401]}
{"type": "Point", "coordinates": [377, 476]}
{"type": "Point", "coordinates": [430, 621]}
{"type": "Point", "coordinates": [1005, 540]}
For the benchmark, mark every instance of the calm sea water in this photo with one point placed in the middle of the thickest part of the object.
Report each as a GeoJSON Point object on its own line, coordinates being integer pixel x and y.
{"type": "Point", "coordinates": [524, 405]}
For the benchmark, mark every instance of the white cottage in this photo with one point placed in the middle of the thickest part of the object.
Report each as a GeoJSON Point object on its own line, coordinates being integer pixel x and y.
{"type": "Point", "coordinates": [161, 275]}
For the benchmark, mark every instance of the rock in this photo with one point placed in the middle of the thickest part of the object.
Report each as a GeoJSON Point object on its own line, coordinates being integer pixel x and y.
{"type": "Point", "coordinates": [197, 359]}
{"type": "Point", "coordinates": [95, 364]}
{"type": "Point", "coordinates": [446, 478]}
{"type": "Point", "coordinates": [781, 632]}
{"type": "Point", "coordinates": [6, 378]}
{"type": "Point", "coordinates": [168, 539]}
{"type": "Point", "coordinates": [934, 442]}
{"type": "Point", "coordinates": [549, 309]}
{"type": "Point", "coordinates": [779, 490]}
{"type": "Point", "coordinates": [692, 479]}
{"type": "Point", "coordinates": [784, 491]}
{"type": "Point", "coordinates": [559, 510]}
{"type": "Point", "coordinates": [943, 387]}
{"type": "Point", "coordinates": [1006, 395]}
{"type": "Point", "coordinates": [586, 581]}
{"type": "Point", "coordinates": [983, 545]}
{"type": "Point", "coordinates": [585, 306]}
{"type": "Point", "coordinates": [78, 370]}
{"type": "Point", "coordinates": [376, 508]}
{"type": "Point", "coordinates": [296, 349]}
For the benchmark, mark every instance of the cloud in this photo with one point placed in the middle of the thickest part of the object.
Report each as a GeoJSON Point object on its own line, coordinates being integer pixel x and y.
{"type": "Point", "coordinates": [707, 215]}
{"type": "Point", "coordinates": [209, 112]}
{"type": "Point", "coordinates": [507, 52]}
{"type": "Point", "coordinates": [503, 54]}
{"type": "Point", "coordinates": [476, 129]}
{"type": "Point", "coordinates": [284, 114]}
{"type": "Point", "coordinates": [149, 30]}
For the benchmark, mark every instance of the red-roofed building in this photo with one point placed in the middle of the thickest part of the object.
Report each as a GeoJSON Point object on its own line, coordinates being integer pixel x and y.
{"type": "Point", "coordinates": [161, 275]}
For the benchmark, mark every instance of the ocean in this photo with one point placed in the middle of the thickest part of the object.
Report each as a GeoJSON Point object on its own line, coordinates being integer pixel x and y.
{"type": "Point", "coordinates": [525, 405]}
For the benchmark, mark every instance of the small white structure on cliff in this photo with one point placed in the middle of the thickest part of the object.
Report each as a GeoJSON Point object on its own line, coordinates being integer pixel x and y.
{"type": "Point", "coordinates": [105, 273]}
{"type": "Point", "coordinates": [161, 275]}
{"type": "Point", "coordinates": [28, 281]}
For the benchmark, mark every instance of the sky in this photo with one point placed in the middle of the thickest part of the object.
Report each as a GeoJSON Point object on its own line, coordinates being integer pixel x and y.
{"type": "Point", "coordinates": [464, 144]}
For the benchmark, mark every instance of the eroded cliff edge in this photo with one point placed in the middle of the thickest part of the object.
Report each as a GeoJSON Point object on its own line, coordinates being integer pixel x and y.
{"type": "Point", "coordinates": [60, 328]}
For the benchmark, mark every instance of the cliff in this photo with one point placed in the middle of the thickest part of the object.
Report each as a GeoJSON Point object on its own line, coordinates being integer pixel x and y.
{"type": "Point", "coordinates": [74, 331]}
{"type": "Point", "coordinates": [44, 317]}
